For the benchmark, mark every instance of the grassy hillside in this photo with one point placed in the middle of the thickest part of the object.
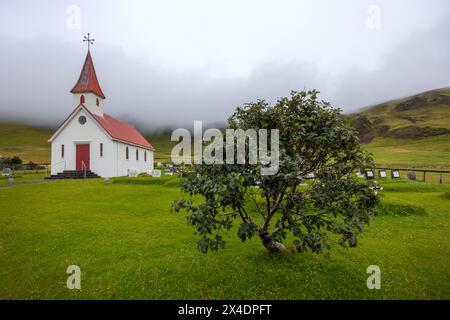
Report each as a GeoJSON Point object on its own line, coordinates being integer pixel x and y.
{"type": "Point", "coordinates": [408, 132]}
{"type": "Point", "coordinates": [27, 142]}
{"type": "Point", "coordinates": [423, 115]}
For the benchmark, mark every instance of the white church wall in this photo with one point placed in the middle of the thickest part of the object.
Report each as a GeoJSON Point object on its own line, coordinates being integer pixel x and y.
{"type": "Point", "coordinates": [90, 133]}
{"type": "Point", "coordinates": [133, 165]}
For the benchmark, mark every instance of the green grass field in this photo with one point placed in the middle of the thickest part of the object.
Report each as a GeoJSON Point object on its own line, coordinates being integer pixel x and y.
{"type": "Point", "coordinates": [129, 245]}
{"type": "Point", "coordinates": [429, 153]}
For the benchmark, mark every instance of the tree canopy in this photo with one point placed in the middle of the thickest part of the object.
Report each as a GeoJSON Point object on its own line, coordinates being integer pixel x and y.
{"type": "Point", "coordinates": [312, 200]}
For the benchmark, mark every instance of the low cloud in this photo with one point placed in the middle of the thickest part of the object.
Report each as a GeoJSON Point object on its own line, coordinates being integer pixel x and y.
{"type": "Point", "coordinates": [36, 79]}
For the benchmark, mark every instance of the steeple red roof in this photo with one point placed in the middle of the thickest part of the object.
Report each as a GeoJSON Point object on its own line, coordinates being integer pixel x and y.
{"type": "Point", "coordinates": [87, 82]}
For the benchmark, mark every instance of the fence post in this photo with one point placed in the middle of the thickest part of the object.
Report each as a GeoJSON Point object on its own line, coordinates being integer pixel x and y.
{"type": "Point", "coordinates": [424, 175]}
{"type": "Point", "coordinates": [440, 179]}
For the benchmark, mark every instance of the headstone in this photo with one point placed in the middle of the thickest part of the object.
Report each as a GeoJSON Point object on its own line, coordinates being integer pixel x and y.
{"type": "Point", "coordinates": [411, 175]}
{"type": "Point", "coordinates": [375, 187]}
{"type": "Point", "coordinates": [382, 173]}
{"type": "Point", "coordinates": [359, 175]}
{"type": "Point", "coordinates": [132, 174]}
{"type": "Point", "coordinates": [168, 173]}
{"type": "Point", "coordinates": [10, 179]}
{"type": "Point", "coordinates": [370, 175]}
{"type": "Point", "coordinates": [156, 173]}
{"type": "Point", "coordinates": [159, 164]}
{"type": "Point", "coordinates": [395, 174]}
{"type": "Point", "coordinates": [7, 172]}
{"type": "Point", "coordinates": [107, 181]}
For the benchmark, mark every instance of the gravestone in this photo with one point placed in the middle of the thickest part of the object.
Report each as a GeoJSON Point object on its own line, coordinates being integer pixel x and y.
{"type": "Point", "coordinates": [395, 174]}
{"type": "Point", "coordinates": [359, 175]}
{"type": "Point", "coordinates": [382, 174]}
{"type": "Point", "coordinates": [376, 187]}
{"type": "Point", "coordinates": [156, 173]}
{"type": "Point", "coordinates": [411, 175]}
{"type": "Point", "coordinates": [370, 175]}
{"type": "Point", "coordinates": [7, 172]}
{"type": "Point", "coordinates": [133, 173]}
{"type": "Point", "coordinates": [107, 181]}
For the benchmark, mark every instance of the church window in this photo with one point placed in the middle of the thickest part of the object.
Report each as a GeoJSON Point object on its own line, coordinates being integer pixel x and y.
{"type": "Point", "coordinates": [145, 156]}
{"type": "Point", "coordinates": [82, 119]}
{"type": "Point", "coordinates": [101, 149]}
{"type": "Point", "coordinates": [82, 99]}
{"type": "Point", "coordinates": [127, 153]}
{"type": "Point", "coordinates": [137, 154]}
{"type": "Point", "coordinates": [62, 151]}
{"type": "Point", "coordinates": [97, 102]}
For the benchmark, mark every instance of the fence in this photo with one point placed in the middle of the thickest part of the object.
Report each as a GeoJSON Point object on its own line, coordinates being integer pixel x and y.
{"type": "Point", "coordinates": [28, 168]}
{"type": "Point", "coordinates": [424, 175]}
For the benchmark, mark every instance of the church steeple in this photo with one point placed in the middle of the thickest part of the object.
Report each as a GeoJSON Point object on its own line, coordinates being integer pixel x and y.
{"type": "Point", "coordinates": [87, 82]}
{"type": "Point", "coordinates": [87, 91]}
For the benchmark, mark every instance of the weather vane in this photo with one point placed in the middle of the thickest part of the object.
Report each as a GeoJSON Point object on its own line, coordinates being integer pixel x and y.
{"type": "Point", "coordinates": [88, 40]}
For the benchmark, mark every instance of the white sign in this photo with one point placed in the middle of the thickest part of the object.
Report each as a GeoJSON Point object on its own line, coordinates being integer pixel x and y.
{"type": "Point", "coordinates": [369, 174]}
{"type": "Point", "coordinates": [395, 174]}
{"type": "Point", "coordinates": [382, 174]}
{"type": "Point", "coordinates": [156, 173]}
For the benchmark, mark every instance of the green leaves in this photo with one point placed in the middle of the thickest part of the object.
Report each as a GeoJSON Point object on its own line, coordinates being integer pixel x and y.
{"type": "Point", "coordinates": [246, 231]}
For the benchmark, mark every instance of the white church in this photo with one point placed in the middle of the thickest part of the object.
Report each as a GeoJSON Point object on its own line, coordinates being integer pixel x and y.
{"type": "Point", "coordinates": [91, 143]}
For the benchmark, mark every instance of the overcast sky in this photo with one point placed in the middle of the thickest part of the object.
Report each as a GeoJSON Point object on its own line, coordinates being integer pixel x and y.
{"type": "Point", "coordinates": [168, 63]}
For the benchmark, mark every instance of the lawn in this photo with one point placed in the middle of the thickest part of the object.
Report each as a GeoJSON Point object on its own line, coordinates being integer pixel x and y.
{"type": "Point", "coordinates": [130, 246]}
{"type": "Point", "coordinates": [426, 153]}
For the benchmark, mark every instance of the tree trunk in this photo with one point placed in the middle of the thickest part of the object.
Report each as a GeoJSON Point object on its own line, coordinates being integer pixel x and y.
{"type": "Point", "coordinates": [271, 244]}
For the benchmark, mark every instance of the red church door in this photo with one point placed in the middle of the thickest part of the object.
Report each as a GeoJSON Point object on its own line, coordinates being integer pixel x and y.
{"type": "Point", "coordinates": [82, 156]}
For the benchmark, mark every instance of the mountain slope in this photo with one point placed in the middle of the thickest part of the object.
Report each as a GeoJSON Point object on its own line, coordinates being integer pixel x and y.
{"type": "Point", "coordinates": [27, 142]}
{"type": "Point", "coordinates": [423, 115]}
{"type": "Point", "coordinates": [408, 132]}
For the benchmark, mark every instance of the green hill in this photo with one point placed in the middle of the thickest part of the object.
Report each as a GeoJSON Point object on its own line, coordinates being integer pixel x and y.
{"type": "Point", "coordinates": [27, 142]}
{"type": "Point", "coordinates": [408, 132]}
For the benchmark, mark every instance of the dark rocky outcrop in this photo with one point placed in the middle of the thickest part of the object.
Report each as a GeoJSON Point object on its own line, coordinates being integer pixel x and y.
{"type": "Point", "coordinates": [412, 103]}
{"type": "Point", "coordinates": [413, 132]}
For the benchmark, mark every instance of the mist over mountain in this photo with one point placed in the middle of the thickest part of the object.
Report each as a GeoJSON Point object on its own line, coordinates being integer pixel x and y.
{"type": "Point", "coordinates": [159, 81]}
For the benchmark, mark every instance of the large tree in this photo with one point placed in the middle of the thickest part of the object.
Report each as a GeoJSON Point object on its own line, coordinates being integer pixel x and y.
{"type": "Point", "coordinates": [314, 140]}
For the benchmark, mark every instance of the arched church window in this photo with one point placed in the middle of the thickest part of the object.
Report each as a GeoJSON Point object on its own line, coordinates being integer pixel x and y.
{"type": "Point", "coordinates": [145, 156]}
{"type": "Point", "coordinates": [97, 102]}
{"type": "Point", "coordinates": [82, 99]}
{"type": "Point", "coordinates": [137, 154]}
{"type": "Point", "coordinates": [127, 153]}
{"type": "Point", "coordinates": [62, 151]}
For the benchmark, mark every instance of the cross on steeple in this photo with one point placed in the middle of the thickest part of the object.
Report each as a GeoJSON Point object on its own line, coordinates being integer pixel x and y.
{"type": "Point", "coordinates": [88, 40]}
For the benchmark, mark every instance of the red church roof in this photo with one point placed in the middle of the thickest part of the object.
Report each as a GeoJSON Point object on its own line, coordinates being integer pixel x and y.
{"type": "Point", "coordinates": [122, 131]}
{"type": "Point", "coordinates": [87, 82]}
